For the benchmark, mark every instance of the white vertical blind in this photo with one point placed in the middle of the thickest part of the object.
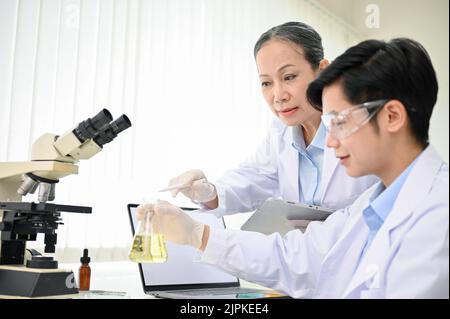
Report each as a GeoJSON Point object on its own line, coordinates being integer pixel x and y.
{"type": "Point", "coordinates": [182, 70]}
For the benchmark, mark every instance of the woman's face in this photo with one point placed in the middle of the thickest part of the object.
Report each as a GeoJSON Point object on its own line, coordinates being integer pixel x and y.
{"type": "Point", "coordinates": [285, 75]}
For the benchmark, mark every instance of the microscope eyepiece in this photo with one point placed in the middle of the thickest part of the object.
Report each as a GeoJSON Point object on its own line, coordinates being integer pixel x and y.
{"type": "Point", "coordinates": [90, 127]}
{"type": "Point", "coordinates": [108, 133]}
{"type": "Point", "coordinates": [120, 124]}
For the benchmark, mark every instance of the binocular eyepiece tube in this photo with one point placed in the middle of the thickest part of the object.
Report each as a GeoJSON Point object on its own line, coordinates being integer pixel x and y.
{"type": "Point", "coordinates": [100, 129]}
{"type": "Point", "coordinates": [110, 132]}
{"type": "Point", "coordinates": [88, 128]}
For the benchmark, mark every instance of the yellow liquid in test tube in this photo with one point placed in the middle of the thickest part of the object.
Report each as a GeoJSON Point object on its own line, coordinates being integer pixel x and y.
{"type": "Point", "coordinates": [148, 249]}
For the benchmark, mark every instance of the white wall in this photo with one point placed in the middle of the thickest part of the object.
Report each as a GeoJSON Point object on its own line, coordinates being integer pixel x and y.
{"type": "Point", "coordinates": [424, 21]}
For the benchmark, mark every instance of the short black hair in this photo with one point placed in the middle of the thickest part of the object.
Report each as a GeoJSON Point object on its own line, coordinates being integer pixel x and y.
{"type": "Point", "coordinates": [298, 33]}
{"type": "Point", "coordinates": [400, 69]}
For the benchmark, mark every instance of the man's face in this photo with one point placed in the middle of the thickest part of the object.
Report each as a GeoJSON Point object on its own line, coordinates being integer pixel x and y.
{"type": "Point", "coordinates": [361, 153]}
{"type": "Point", "coordinates": [285, 74]}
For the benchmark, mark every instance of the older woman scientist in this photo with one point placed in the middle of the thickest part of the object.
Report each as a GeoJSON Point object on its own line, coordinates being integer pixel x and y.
{"type": "Point", "coordinates": [292, 162]}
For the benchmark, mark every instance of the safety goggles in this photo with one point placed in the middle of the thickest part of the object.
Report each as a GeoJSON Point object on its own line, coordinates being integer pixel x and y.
{"type": "Point", "coordinates": [341, 125]}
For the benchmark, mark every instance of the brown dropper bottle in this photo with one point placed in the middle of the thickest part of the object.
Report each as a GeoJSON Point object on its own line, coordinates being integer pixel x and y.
{"type": "Point", "coordinates": [85, 271]}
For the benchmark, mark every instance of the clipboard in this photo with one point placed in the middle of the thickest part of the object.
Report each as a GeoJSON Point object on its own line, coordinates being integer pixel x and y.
{"type": "Point", "coordinates": [274, 215]}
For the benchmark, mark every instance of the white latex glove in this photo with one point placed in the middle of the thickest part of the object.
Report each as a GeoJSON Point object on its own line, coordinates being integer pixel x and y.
{"type": "Point", "coordinates": [173, 223]}
{"type": "Point", "coordinates": [200, 189]}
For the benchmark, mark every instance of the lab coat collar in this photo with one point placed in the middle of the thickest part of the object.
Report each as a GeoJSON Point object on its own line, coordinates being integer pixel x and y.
{"type": "Point", "coordinates": [328, 170]}
{"type": "Point", "coordinates": [412, 194]}
{"type": "Point", "coordinates": [290, 159]}
{"type": "Point", "coordinates": [383, 201]}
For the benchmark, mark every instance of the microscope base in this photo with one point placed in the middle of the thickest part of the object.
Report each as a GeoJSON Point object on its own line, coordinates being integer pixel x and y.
{"type": "Point", "coordinates": [21, 282]}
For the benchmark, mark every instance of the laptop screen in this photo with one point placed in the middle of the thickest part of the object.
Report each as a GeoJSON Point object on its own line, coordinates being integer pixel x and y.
{"type": "Point", "coordinates": [182, 266]}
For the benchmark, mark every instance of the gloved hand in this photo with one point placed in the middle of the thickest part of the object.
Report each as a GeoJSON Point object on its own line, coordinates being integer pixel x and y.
{"type": "Point", "coordinates": [200, 189]}
{"type": "Point", "coordinates": [173, 223]}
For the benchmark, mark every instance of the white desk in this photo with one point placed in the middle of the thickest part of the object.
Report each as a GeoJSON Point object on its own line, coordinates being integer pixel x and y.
{"type": "Point", "coordinates": [120, 276]}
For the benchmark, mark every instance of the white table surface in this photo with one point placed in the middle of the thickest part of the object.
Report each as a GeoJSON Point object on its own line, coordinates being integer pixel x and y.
{"type": "Point", "coordinates": [122, 277]}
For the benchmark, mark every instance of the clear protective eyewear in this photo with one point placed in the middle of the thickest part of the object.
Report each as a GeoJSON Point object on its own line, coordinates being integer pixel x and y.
{"type": "Point", "coordinates": [341, 125]}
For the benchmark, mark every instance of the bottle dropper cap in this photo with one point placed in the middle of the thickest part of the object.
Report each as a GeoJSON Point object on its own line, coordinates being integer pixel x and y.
{"type": "Point", "coordinates": [85, 259]}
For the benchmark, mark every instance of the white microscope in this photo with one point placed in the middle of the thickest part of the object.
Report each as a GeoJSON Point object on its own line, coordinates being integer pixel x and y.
{"type": "Point", "coordinates": [25, 272]}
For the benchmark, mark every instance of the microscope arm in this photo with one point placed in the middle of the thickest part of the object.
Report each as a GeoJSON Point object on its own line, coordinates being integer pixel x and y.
{"type": "Point", "coordinates": [65, 148]}
{"type": "Point", "coordinates": [12, 175]}
{"type": "Point", "coordinates": [13, 171]}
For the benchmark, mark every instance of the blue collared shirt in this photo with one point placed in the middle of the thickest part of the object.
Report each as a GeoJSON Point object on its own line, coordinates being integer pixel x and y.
{"type": "Point", "coordinates": [310, 165]}
{"type": "Point", "coordinates": [381, 204]}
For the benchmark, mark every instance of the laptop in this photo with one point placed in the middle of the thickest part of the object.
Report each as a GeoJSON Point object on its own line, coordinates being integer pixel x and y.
{"type": "Point", "coordinates": [182, 276]}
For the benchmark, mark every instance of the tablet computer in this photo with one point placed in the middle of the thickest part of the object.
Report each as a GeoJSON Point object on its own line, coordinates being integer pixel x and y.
{"type": "Point", "coordinates": [274, 216]}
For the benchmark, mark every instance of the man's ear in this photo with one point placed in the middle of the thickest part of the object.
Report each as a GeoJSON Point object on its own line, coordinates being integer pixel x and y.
{"type": "Point", "coordinates": [395, 115]}
{"type": "Point", "coordinates": [323, 64]}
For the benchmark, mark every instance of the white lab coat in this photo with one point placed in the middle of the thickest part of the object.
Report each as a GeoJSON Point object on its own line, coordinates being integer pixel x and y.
{"type": "Point", "coordinates": [408, 257]}
{"type": "Point", "coordinates": [273, 172]}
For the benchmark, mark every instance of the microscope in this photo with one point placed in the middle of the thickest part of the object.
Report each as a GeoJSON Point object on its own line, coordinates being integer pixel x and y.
{"type": "Point", "coordinates": [26, 272]}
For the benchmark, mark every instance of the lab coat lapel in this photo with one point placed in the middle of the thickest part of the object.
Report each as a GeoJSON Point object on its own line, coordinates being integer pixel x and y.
{"type": "Point", "coordinates": [355, 212]}
{"type": "Point", "coordinates": [330, 162]}
{"type": "Point", "coordinates": [341, 261]}
{"type": "Point", "coordinates": [368, 271]}
{"type": "Point", "coordinates": [291, 162]}
{"type": "Point", "coordinates": [416, 187]}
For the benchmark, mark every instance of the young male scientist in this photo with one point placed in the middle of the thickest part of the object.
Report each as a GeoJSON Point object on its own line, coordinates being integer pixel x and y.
{"type": "Point", "coordinates": [392, 242]}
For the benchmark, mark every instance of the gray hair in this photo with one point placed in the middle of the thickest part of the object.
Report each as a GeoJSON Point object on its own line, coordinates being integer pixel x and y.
{"type": "Point", "coordinates": [298, 33]}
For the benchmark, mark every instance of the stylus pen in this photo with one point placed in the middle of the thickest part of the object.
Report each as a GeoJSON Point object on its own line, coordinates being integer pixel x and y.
{"type": "Point", "coordinates": [180, 186]}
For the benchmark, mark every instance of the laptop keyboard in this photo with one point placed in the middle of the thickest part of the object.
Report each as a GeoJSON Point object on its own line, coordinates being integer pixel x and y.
{"type": "Point", "coordinates": [216, 292]}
